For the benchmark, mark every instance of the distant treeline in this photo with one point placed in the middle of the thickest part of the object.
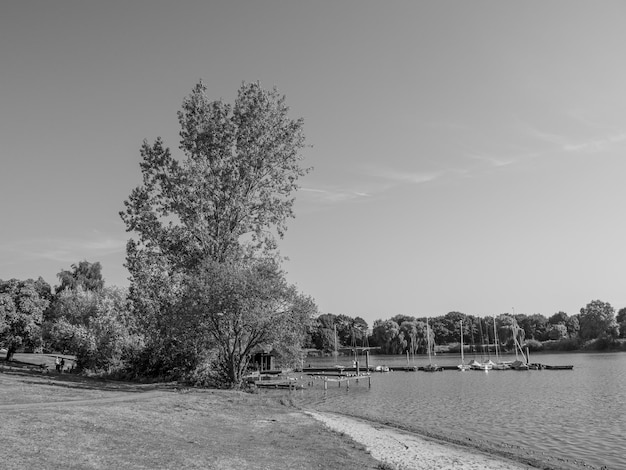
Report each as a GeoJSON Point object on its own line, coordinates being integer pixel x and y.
{"type": "Point", "coordinates": [104, 330]}
{"type": "Point", "coordinates": [595, 327]}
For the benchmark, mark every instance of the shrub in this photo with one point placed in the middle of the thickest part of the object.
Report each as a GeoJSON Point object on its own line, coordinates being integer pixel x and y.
{"type": "Point", "coordinates": [534, 345]}
{"type": "Point", "coordinates": [566, 344]}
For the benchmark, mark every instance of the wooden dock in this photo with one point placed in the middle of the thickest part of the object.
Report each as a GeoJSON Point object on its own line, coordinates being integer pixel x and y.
{"type": "Point", "coordinates": [346, 380]}
{"type": "Point", "coordinates": [330, 370]}
{"type": "Point", "coordinates": [283, 384]}
{"type": "Point", "coordinates": [351, 372]}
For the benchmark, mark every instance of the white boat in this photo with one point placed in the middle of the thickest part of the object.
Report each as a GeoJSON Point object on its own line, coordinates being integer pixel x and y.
{"type": "Point", "coordinates": [486, 366]}
{"type": "Point", "coordinates": [502, 365]}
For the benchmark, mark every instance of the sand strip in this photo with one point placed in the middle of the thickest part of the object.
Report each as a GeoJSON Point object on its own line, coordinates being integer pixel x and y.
{"type": "Point", "coordinates": [411, 452]}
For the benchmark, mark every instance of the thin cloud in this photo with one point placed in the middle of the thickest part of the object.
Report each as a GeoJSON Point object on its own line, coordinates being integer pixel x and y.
{"type": "Point", "coordinates": [596, 145]}
{"type": "Point", "coordinates": [493, 161]}
{"type": "Point", "coordinates": [399, 176]}
{"type": "Point", "coordinates": [330, 196]}
{"type": "Point", "coordinates": [373, 181]}
{"type": "Point", "coordinates": [580, 116]}
{"type": "Point", "coordinates": [555, 139]}
{"type": "Point", "coordinates": [66, 250]}
{"type": "Point", "coordinates": [567, 144]}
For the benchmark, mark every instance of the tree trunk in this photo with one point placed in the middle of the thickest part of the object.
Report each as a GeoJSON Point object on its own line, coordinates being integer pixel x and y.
{"type": "Point", "coordinates": [10, 352]}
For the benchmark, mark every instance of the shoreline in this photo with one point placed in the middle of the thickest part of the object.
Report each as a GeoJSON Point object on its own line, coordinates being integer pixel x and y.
{"type": "Point", "coordinates": [407, 450]}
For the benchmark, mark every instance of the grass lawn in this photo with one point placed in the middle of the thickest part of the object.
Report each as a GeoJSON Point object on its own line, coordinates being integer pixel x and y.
{"type": "Point", "coordinates": [65, 421]}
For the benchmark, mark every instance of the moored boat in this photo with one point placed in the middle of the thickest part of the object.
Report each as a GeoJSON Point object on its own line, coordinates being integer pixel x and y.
{"type": "Point", "coordinates": [475, 365]}
{"type": "Point", "coordinates": [519, 365]}
{"type": "Point", "coordinates": [502, 365]}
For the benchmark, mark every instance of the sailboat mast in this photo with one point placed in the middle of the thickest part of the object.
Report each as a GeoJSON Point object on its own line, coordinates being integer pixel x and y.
{"type": "Point", "coordinates": [428, 340]}
{"type": "Point", "coordinates": [495, 338]}
{"type": "Point", "coordinates": [462, 358]}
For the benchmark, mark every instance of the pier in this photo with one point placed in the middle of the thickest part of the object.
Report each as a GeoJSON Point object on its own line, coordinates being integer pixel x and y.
{"type": "Point", "coordinates": [347, 379]}
{"type": "Point", "coordinates": [352, 372]}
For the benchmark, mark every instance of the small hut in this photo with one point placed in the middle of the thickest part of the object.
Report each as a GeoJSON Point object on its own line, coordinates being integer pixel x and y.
{"type": "Point", "coordinates": [262, 358]}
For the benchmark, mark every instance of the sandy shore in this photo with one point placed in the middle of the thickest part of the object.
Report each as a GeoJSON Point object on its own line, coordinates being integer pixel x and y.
{"type": "Point", "coordinates": [411, 452]}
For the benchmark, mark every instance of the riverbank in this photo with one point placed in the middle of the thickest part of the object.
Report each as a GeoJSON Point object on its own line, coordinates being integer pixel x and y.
{"type": "Point", "coordinates": [67, 421]}
{"type": "Point", "coordinates": [56, 421]}
{"type": "Point", "coordinates": [407, 451]}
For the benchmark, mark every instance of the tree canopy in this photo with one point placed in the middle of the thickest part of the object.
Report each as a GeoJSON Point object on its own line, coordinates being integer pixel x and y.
{"type": "Point", "coordinates": [84, 275]}
{"type": "Point", "coordinates": [241, 166]}
{"type": "Point", "coordinates": [241, 308]}
{"type": "Point", "coordinates": [96, 326]}
{"type": "Point", "coordinates": [597, 320]}
{"type": "Point", "coordinates": [207, 227]}
{"type": "Point", "coordinates": [22, 304]}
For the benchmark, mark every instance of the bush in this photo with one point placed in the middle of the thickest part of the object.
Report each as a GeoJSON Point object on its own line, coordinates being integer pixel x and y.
{"type": "Point", "coordinates": [206, 373]}
{"type": "Point", "coordinates": [602, 344]}
{"type": "Point", "coordinates": [567, 344]}
{"type": "Point", "coordinates": [534, 345]}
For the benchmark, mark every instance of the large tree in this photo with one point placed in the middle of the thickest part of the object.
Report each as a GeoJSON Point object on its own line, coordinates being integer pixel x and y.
{"type": "Point", "coordinates": [241, 167]}
{"type": "Point", "coordinates": [597, 320]}
{"type": "Point", "coordinates": [226, 201]}
{"type": "Point", "coordinates": [241, 307]}
{"type": "Point", "coordinates": [387, 335]}
{"type": "Point", "coordinates": [323, 333]}
{"type": "Point", "coordinates": [558, 318]}
{"type": "Point", "coordinates": [621, 322]}
{"type": "Point", "coordinates": [83, 275]}
{"type": "Point", "coordinates": [98, 327]}
{"type": "Point", "coordinates": [22, 304]}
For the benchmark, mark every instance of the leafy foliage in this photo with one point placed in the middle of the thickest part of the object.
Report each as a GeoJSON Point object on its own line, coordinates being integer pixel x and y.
{"type": "Point", "coordinates": [388, 336]}
{"type": "Point", "coordinates": [207, 231]}
{"type": "Point", "coordinates": [241, 167]}
{"type": "Point", "coordinates": [22, 305]}
{"type": "Point", "coordinates": [621, 322]}
{"type": "Point", "coordinates": [558, 331]}
{"type": "Point", "coordinates": [243, 307]}
{"type": "Point", "coordinates": [597, 320]}
{"type": "Point", "coordinates": [98, 327]}
{"type": "Point", "coordinates": [351, 332]}
{"type": "Point", "coordinates": [83, 275]}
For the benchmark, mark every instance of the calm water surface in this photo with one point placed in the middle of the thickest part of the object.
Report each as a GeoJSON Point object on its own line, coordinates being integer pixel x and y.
{"type": "Point", "coordinates": [567, 419]}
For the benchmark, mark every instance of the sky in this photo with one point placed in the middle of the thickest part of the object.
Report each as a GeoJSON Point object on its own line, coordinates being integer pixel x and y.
{"type": "Point", "coordinates": [468, 156]}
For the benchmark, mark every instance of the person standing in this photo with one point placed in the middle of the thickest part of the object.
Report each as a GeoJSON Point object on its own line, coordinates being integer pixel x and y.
{"type": "Point", "coordinates": [57, 364]}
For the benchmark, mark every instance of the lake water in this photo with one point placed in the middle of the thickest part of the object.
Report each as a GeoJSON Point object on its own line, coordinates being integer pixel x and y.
{"type": "Point", "coordinates": [566, 419]}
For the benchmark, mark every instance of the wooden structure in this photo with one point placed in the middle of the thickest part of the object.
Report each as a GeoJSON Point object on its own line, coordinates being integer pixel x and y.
{"type": "Point", "coordinates": [354, 378]}
{"type": "Point", "coordinates": [263, 359]}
